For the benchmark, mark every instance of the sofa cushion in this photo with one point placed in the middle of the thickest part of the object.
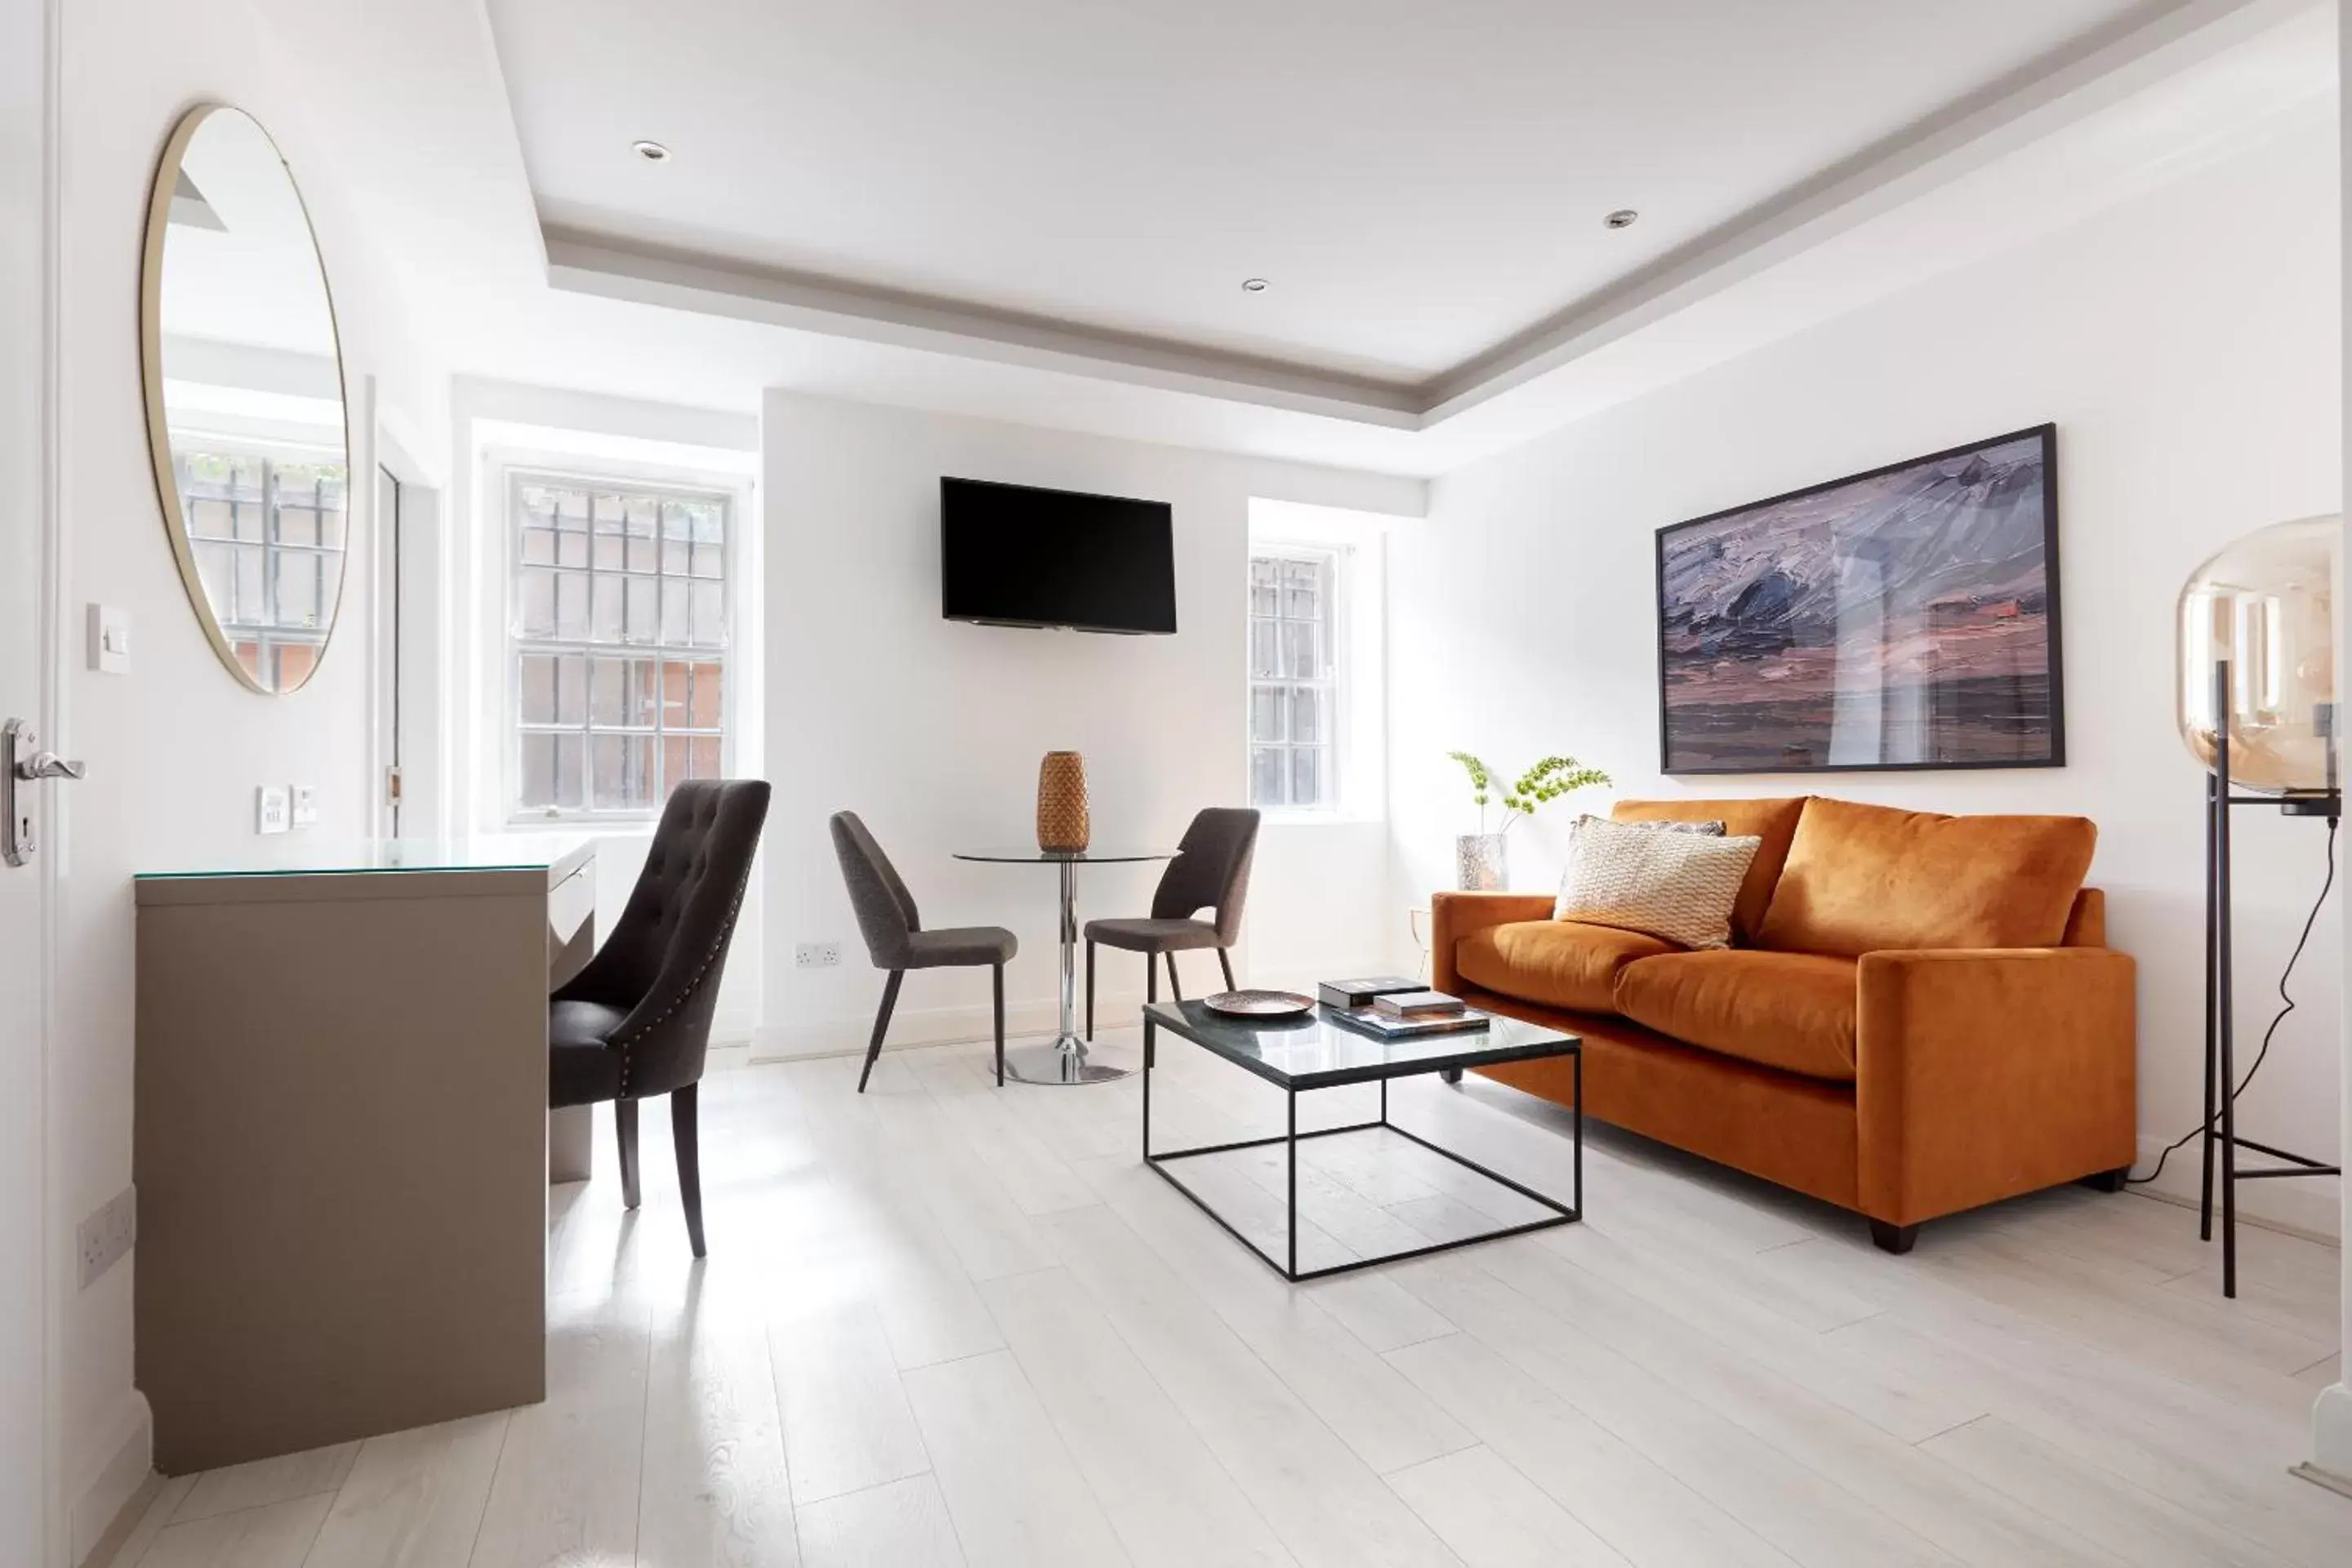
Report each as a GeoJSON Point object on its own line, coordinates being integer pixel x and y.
{"type": "Point", "coordinates": [1773, 821]}
{"type": "Point", "coordinates": [1789, 1010]}
{"type": "Point", "coordinates": [1868, 879]}
{"type": "Point", "coordinates": [1679, 886]}
{"type": "Point", "coordinates": [1559, 964]}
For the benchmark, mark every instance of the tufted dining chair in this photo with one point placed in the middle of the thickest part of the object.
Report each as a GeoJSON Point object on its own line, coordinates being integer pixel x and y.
{"type": "Point", "coordinates": [635, 1021]}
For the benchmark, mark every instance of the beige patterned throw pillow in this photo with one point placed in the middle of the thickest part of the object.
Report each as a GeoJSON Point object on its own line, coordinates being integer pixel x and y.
{"type": "Point", "coordinates": [1677, 887]}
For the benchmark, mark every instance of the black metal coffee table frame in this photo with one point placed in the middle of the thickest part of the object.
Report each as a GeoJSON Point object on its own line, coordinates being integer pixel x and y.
{"type": "Point", "coordinates": [1476, 1051]}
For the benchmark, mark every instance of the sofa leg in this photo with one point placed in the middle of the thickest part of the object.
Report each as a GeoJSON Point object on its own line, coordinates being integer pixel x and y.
{"type": "Point", "coordinates": [1894, 1238]}
{"type": "Point", "coordinates": [2107, 1181]}
{"type": "Point", "coordinates": [1451, 1074]}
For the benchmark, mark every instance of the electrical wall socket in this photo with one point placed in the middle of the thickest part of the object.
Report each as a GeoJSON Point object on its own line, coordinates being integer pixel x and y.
{"type": "Point", "coordinates": [816, 955]}
{"type": "Point", "coordinates": [271, 808]}
{"type": "Point", "coordinates": [306, 804]}
{"type": "Point", "coordinates": [102, 1239]}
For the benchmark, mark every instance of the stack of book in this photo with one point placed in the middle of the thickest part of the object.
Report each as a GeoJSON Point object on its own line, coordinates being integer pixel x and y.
{"type": "Point", "coordinates": [1394, 1008]}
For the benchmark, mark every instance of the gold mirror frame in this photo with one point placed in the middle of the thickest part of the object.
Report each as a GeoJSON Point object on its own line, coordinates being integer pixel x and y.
{"type": "Point", "coordinates": [159, 431]}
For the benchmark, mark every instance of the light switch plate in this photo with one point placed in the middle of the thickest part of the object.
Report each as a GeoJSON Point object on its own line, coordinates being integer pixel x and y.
{"type": "Point", "coordinates": [306, 804]}
{"type": "Point", "coordinates": [110, 639]}
{"type": "Point", "coordinates": [271, 809]}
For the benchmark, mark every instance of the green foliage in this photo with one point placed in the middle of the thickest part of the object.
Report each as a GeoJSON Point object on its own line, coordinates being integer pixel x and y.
{"type": "Point", "coordinates": [1547, 780]}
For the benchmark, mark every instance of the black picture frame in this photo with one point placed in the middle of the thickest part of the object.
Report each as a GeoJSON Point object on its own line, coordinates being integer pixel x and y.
{"type": "Point", "coordinates": [2046, 435]}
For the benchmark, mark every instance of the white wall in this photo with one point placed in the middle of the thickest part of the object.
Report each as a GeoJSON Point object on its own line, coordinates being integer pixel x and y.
{"type": "Point", "coordinates": [932, 730]}
{"type": "Point", "coordinates": [2186, 344]}
{"type": "Point", "coordinates": [176, 748]}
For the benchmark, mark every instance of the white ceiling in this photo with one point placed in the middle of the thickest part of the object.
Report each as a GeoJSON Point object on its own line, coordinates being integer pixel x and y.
{"type": "Point", "coordinates": [1422, 183]}
{"type": "Point", "coordinates": [439, 149]}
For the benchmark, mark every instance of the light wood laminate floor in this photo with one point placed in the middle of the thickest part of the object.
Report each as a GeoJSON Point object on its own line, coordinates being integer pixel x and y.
{"type": "Point", "coordinates": [946, 1323]}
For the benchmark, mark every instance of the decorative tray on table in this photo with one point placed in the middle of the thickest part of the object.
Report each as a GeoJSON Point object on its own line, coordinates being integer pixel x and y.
{"type": "Point", "coordinates": [1263, 1004]}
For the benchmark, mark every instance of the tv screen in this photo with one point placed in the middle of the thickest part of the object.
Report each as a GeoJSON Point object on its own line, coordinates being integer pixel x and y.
{"type": "Point", "coordinates": [1016, 555]}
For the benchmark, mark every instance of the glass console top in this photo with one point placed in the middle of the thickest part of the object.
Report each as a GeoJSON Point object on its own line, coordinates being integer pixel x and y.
{"type": "Point", "coordinates": [292, 854]}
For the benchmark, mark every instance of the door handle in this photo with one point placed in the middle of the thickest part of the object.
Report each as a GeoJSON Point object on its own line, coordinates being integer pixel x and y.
{"type": "Point", "coordinates": [16, 844]}
{"type": "Point", "coordinates": [49, 765]}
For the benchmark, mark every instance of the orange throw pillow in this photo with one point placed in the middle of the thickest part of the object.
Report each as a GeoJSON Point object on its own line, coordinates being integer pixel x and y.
{"type": "Point", "coordinates": [1868, 879]}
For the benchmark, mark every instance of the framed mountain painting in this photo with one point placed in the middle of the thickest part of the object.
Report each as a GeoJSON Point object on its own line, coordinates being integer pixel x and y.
{"type": "Point", "coordinates": [1906, 617]}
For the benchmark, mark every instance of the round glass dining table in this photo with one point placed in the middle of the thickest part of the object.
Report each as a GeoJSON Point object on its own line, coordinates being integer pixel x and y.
{"type": "Point", "coordinates": [1069, 1060]}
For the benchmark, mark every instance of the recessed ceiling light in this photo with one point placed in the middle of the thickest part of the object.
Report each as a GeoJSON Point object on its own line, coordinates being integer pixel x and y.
{"type": "Point", "coordinates": [1622, 218]}
{"type": "Point", "coordinates": [1254, 284]}
{"type": "Point", "coordinates": [651, 152]}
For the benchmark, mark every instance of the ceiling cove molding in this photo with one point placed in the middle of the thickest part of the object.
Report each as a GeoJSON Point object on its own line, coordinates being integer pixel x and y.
{"type": "Point", "coordinates": [2056, 90]}
{"type": "Point", "coordinates": [588, 264]}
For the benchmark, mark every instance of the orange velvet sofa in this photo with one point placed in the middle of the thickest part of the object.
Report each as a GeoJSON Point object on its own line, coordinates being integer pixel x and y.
{"type": "Point", "coordinates": [1918, 1014]}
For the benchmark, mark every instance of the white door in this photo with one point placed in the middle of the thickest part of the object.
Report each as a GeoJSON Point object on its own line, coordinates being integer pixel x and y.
{"type": "Point", "coordinates": [24, 1253]}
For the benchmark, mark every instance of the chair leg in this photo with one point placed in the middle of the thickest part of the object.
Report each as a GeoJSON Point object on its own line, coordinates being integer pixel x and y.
{"type": "Point", "coordinates": [1090, 990]}
{"type": "Point", "coordinates": [1225, 962]}
{"type": "Point", "coordinates": [1175, 990]}
{"type": "Point", "coordinates": [1000, 1012]}
{"type": "Point", "coordinates": [682, 1132]}
{"type": "Point", "coordinates": [881, 1025]}
{"type": "Point", "coordinates": [624, 1122]}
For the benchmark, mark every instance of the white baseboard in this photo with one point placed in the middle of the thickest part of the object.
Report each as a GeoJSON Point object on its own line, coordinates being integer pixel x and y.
{"type": "Point", "coordinates": [2312, 1210]}
{"type": "Point", "coordinates": [121, 1477]}
{"type": "Point", "coordinates": [2331, 1437]}
{"type": "Point", "coordinates": [911, 1027]}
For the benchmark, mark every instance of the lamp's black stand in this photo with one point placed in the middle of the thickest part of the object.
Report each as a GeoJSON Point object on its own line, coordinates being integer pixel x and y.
{"type": "Point", "coordinates": [2221, 1128]}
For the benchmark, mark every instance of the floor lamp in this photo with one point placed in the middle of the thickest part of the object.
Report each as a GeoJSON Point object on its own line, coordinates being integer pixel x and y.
{"type": "Point", "coordinates": [2258, 707]}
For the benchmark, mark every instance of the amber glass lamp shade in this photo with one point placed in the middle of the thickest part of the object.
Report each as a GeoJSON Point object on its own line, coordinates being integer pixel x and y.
{"type": "Point", "coordinates": [2267, 605]}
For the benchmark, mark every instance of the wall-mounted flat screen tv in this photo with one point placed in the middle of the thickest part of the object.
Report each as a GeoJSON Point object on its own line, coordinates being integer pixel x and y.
{"type": "Point", "coordinates": [1015, 555]}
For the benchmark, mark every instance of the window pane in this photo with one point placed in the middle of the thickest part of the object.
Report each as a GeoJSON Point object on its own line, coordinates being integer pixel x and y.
{"type": "Point", "coordinates": [1302, 590]}
{"type": "Point", "coordinates": [704, 709]}
{"type": "Point", "coordinates": [608, 510]}
{"type": "Point", "coordinates": [709, 521]}
{"type": "Point", "coordinates": [705, 750]}
{"type": "Point", "coordinates": [710, 600]}
{"type": "Point", "coordinates": [676, 555]}
{"type": "Point", "coordinates": [537, 771]}
{"type": "Point", "coordinates": [538, 688]}
{"type": "Point", "coordinates": [677, 682]}
{"type": "Point", "coordinates": [1302, 650]}
{"type": "Point", "coordinates": [608, 688]}
{"type": "Point", "coordinates": [1265, 649]}
{"type": "Point", "coordinates": [611, 552]}
{"type": "Point", "coordinates": [642, 599]}
{"type": "Point", "coordinates": [622, 766]}
{"type": "Point", "coordinates": [297, 523]}
{"type": "Point", "coordinates": [538, 547]}
{"type": "Point", "coordinates": [1308, 776]}
{"type": "Point", "coordinates": [571, 689]}
{"type": "Point", "coordinates": [251, 605]}
{"type": "Point", "coordinates": [1267, 777]}
{"type": "Point", "coordinates": [571, 510]}
{"type": "Point", "coordinates": [295, 663]}
{"type": "Point", "coordinates": [537, 603]}
{"type": "Point", "coordinates": [1265, 578]}
{"type": "Point", "coordinates": [645, 515]}
{"type": "Point", "coordinates": [1306, 714]}
{"type": "Point", "coordinates": [572, 548]}
{"type": "Point", "coordinates": [569, 765]}
{"type": "Point", "coordinates": [674, 621]}
{"type": "Point", "coordinates": [607, 598]}
{"type": "Point", "coordinates": [642, 554]}
{"type": "Point", "coordinates": [677, 761]}
{"type": "Point", "coordinates": [572, 604]}
{"type": "Point", "coordinates": [297, 589]}
{"type": "Point", "coordinates": [1267, 706]}
{"type": "Point", "coordinates": [640, 711]}
{"type": "Point", "coordinates": [708, 560]}
{"type": "Point", "coordinates": [214, 568]}
{"type": "Point", "coordinates": [537, 505]}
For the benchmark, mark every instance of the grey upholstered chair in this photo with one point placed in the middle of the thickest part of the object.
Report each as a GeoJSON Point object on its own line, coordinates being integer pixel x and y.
{"type": "Point", "coordinates": [635, 1021]}
{"type": "Point", "coordinates": [1210, 872]}
{"type": "Point", "coordinates": [896, 938]}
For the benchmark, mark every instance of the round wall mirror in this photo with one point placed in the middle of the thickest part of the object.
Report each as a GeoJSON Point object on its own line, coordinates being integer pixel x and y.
{"type": "Point", "coordinates": [245, 399]}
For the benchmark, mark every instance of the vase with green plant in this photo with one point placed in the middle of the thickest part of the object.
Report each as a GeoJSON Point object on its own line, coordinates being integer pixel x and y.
{"type": "Point", "coordinates": [1481, 860]}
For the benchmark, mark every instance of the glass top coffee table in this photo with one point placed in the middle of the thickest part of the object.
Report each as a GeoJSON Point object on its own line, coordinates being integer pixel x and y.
{"type": "Point", "coordinates": [1298, 1056]}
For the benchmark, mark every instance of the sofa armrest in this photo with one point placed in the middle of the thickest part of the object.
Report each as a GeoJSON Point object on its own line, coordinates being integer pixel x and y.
{"type": "Point", "coordinates": [1452, 916]}
{"type": "Point", "coordinates": [1982, 1074]}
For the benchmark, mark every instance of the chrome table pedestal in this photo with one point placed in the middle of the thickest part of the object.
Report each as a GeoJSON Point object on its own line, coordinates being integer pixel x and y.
{"type": "Point", "coordinates": [1071, 1059]}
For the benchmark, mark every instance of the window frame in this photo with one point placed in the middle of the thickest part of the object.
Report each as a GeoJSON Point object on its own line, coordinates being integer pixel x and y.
{"type": "Point", "coordinates": [1336, 686]}
{"type": "Point", "coordinates": [512, 476]}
